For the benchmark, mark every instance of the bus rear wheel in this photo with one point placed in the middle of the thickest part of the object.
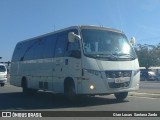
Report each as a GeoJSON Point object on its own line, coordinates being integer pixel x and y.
{"type": "Point", "coordinates": [121, 96]}
{"type": "Point", "coordinates": [25, 88]}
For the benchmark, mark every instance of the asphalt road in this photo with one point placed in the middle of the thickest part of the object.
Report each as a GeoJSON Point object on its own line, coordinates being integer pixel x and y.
{"type": "Point", "coordinates": [152, 87]}
{"type": "Point", "coordinates": [11, 98]}
{"type": "Point", "coordinates": [155, 85]}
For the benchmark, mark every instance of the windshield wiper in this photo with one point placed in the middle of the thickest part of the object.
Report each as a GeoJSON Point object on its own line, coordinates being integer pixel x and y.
{"type": "Point", "coordinates": [113, 56]}
{"type": "Point", "coordinates": [126, 55]}
{"type": "Point", "coordinates": [107, 56]}
{"type": "Point", "coordinates": [116, 56]}
{"type": "Point", "coordinates": [101, 55]}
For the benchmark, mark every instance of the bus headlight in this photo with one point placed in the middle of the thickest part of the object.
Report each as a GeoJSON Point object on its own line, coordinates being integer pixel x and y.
{"type": "Point", "coordinates": [92, 87]}
{"type": "Point", "coordinates": [94, 72]}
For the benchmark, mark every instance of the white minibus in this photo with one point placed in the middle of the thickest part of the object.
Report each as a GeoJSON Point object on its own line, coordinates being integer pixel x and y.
{"type": "Point", "coordinates": [79, 60]}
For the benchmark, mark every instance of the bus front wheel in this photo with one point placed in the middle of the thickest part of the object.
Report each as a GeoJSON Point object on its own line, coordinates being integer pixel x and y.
{"type": "Point", "coordinates": [70, 91]}
{"type": "Point", "coordinates": [121, 96]}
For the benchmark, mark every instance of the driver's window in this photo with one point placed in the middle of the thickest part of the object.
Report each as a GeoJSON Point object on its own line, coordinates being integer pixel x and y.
{"type": "Point", "coordinates": [72, 46]}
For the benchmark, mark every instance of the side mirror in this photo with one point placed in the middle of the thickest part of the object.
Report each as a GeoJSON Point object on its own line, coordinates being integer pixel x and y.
{"type": "Point", "coordinates": [72, 37]}
{"type": "Point", "coordinates": [75, 54]}
{"type": "Point", "coordinates": [133, 41]}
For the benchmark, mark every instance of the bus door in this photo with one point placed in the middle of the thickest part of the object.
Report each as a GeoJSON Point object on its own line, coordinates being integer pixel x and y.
{"type": "Point", "coordinates": [72, 63]}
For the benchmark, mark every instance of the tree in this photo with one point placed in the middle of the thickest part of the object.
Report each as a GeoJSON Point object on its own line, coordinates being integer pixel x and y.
{"type": "Point", "coordinates": [148, 55]}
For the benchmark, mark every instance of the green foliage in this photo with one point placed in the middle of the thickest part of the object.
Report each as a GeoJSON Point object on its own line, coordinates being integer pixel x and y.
{"type": "Point", "coordinates": [148, 55]}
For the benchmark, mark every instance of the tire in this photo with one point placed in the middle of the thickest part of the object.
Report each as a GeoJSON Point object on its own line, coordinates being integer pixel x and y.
{"type": "Point", "coordinates": [2, 84]}
{"type": "Point", "coordinates": [70, 92]}
{"type": "Point", "coordinates": [121, 96]}
{"type": "Point", "coordinates": [24, 86]}
{"type": "Point", "coordinates": [27, 90]}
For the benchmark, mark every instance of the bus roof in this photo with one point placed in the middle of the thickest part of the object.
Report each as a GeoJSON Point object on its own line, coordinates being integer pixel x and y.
{"type": "Point", "coordinates": [75, 27]}
{"type": "Point", "coordinates": [99, 28]}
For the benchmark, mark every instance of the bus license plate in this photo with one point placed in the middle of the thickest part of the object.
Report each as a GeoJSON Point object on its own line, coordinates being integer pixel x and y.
{"type": "Point", "coordinates": [119, 80]}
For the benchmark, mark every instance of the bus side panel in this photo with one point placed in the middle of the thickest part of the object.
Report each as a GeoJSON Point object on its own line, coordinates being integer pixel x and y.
{"type": "Point", "coordinates": [39, 72]}
{"type": "Point", "coordinates": [15, 78]}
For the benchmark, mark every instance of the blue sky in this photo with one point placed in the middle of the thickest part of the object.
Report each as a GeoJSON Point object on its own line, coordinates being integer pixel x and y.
{"type": "Point", "coordinates": [23, 19]}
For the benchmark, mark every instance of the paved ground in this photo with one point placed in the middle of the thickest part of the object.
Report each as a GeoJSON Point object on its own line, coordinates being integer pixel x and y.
{"type": "Point", "coordinates": [145, 99]}
{"type": "Point", "coordinates": [149, 89]}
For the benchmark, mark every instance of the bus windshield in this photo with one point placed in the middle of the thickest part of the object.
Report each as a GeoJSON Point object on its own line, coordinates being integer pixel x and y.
{"type": "Point", "coordinates": [106, 44]}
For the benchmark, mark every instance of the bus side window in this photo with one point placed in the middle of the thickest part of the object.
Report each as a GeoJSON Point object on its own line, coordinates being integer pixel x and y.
{"type": "Point", "coordinates": [17, 53]}
{"type": "Point", "coordinates": [73, 49]}
{"type": "Point", "coordinates": [38, 49]}
{"type": "Point", "coordinates": [49, 46]}
{"type": "Point", "coordinates": [61, 45]}
{"type": "Point", "coordinates": [73, 46]}
{"type": "Point", "coordinates": [28, 53]}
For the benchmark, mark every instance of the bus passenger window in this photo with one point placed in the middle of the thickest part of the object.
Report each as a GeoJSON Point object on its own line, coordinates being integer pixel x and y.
{"type": "Point", "coordinates": [61, 45]}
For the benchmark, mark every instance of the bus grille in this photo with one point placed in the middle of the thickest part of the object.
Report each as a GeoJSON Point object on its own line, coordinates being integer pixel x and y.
{"type": "Point", "coordinates": [118, 74]}
{"type": "Point", "coordinates": [119, 85]}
